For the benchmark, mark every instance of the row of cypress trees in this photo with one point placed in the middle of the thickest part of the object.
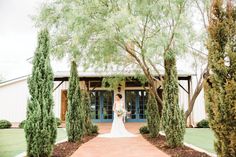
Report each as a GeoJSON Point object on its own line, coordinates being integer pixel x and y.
{"type": "Point", "coordinates": [171, 119]}
{"type": "Point", "coordinates": [40, 127]}
{"type": "Point", "coordinates": [219, 85]}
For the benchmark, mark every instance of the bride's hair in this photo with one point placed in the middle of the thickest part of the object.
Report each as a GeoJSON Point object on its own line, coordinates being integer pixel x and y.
{"type": "Point", "coordinates": [119, 95]}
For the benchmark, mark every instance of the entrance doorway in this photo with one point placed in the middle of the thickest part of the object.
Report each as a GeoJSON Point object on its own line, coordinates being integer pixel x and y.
{"type": "Point", "coordinates": [101, 106]}
{"type": "Point", "coordinates": [136, 101]}
{"type": "Point", "coordinates": [63, 105]}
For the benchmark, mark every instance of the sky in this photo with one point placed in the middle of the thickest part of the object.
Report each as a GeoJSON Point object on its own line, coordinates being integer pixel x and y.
{"type": "Point", "coordinates": [18, 36]}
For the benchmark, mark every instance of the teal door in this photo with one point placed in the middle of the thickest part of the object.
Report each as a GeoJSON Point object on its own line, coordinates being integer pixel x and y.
{"type": "Point", "coordinates": [136, 101]}
{"type": "Point", "coordinates": [101, 106]}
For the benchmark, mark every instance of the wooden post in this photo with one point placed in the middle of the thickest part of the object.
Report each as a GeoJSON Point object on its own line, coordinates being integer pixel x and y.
{"type": "Point", "coordinates": [189, 99]}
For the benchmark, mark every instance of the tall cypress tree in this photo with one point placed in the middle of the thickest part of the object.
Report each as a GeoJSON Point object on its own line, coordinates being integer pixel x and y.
{"type": "Point", "coordinates": [172, 117]}
{"type": "Point", "coordinates": [220, 86]}
{"type": "Point", "coordinates": [153, 116]}
{"type": "Point", "coordinates": [75, 112]}
{"type": "Point", "coordinates": [40, 126]}
{"type": "Point", "coordinates": [86, 103]}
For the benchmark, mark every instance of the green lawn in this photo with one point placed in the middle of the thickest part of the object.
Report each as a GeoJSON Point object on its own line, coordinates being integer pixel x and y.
{"type": "Point", "coordinates": [200, 137]}
{"type": "Point", "coordinates": [12, 141]}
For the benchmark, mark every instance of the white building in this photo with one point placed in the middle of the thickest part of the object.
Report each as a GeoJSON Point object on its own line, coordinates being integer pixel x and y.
{"type": "Point", "coordinates": [14, 94]}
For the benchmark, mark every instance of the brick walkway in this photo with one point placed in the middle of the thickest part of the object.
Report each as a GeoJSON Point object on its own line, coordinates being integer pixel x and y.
{"type": "Point", "coordinates": [118, 147]}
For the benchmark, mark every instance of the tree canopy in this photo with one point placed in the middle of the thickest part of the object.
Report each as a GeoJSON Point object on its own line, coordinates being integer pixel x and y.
{"type": "Point", "coordinates": [132, 34]}
{"type": "Point", "coordinates": [100, 32]}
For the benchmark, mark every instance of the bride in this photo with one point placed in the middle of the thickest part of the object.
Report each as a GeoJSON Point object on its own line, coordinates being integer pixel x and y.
{"type": "Point", "coordinates": [118, 128]}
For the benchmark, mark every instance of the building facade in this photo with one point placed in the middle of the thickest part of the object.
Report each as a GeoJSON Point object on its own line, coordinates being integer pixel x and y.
{"type": "Point", "coordinates": [14, 95]}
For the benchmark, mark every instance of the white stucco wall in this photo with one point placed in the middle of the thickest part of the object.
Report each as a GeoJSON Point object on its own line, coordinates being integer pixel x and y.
{"type": "Point", "coordinates": [13, 101]}
{"type": "Point", "coordinates": [199, 111]}
{"type": "Point", "coordinates": [14, 97]}
{"type": "Point", "coordinates": [199, 107]}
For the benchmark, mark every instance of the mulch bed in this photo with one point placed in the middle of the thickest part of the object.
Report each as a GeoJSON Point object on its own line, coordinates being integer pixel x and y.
{"type": "Point", "coordinates": [66, 149]}
{"type": "Point", "coordinates": [160, 142]}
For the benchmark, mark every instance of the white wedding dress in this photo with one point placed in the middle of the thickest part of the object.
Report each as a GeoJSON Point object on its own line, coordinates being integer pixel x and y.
{"type": "Point", "coordinates": [118, 128]}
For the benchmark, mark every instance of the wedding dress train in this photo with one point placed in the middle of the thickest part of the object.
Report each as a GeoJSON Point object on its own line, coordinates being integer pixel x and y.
{"type": "Point", "coordinates": [118, 128]}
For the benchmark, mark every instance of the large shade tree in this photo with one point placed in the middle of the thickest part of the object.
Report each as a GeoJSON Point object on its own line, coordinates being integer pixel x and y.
{"type": "Point", "coordinates": [40, 126]}
{"type": "Point", "coordinates": [132, 34]}
{"type": "Point", "coordinates": [220, 86]}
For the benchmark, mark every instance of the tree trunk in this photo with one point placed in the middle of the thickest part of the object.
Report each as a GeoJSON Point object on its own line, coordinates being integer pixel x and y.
{"type": "Point", "coordinates": [195, 95]}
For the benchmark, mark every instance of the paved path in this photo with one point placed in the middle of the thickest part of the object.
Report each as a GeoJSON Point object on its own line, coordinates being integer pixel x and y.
{"type": "Point", "coordinates": [118, 147]}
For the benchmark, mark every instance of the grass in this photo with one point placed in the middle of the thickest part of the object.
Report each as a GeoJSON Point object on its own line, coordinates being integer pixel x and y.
{"type": "Point", "coordinates": [200, 137]}
{"type": "Point", "coordinates": [12, 141]}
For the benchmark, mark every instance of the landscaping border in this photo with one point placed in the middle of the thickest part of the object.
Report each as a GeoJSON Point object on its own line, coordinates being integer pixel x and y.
{"type": "Point", "coordinates": [194, 147]}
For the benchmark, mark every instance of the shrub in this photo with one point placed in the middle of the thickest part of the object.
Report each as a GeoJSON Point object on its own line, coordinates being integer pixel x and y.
{"type": "Point", "coordinates": [144, 130]}
{"type": "Point", "coordinates": [4, 124]}
{"type": "Point", "coordinates": [203, 124]}
{"type": "Point", "coordinates": [94, 129]}
{"type": "Point", "coordinates": [22, 124]}
{"type": "Point", "coordinates": [58, 121]}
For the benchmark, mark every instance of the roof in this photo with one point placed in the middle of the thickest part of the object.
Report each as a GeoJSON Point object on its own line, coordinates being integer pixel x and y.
{"type": "Point", "coordinates": [92, 74]}
{"type": "Point", "coordinates": [11, 81]}
{"type": "Point", "coordinates": [60, 74]}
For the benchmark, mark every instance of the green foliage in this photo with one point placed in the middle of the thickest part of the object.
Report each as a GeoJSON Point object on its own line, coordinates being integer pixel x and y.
{"type": "Point", "coordinates": [40, 126]}
{"type": "Point", "coordinates": [172, 117]}
{"type": "Point", "coordinates": [75, 112]}
{"type": "Point", "coordinates": [153, 117]}
{"type": "Point", "coordinates": [203, 124]}
{"type": "Point", "coordinates": [58, 121]}
{"type": "Point", "coordinates": [86, 103]}
{"type": "Point", "coordinates": [4, 124]}
{"type": "Point", "coordinates": [96, 32]}
{"type": "Point", "coordinates": [94, 129]}
{"type": "Point", "coordinates": [113, 82]}
{"type": "Point", "coordinates": [22, 124]}
{"type": "Point", "coordinates": [220, 85]}
{"type": "Point", "coordinates": [144, 130]}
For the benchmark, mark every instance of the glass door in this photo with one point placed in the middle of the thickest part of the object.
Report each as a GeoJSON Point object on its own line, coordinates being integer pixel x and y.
{"type": "Point", "coordinates": [136, 101]}
{"type": "Point", "coordinates": [107, 103]}
{"type": "Point", "coordinates": [95, 106]}
{"type": "Point", "coordinates": [101, 106]}
{"type": "Point", "coordinates": [131, 104]}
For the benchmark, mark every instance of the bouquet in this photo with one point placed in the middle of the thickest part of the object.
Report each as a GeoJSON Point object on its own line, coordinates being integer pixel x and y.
{"type": "Point", "coordinates": [120, 112]}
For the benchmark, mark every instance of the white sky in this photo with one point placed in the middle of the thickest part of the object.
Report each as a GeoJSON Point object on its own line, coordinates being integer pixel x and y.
{"type": "Point", "coordinates": [18, 37]}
